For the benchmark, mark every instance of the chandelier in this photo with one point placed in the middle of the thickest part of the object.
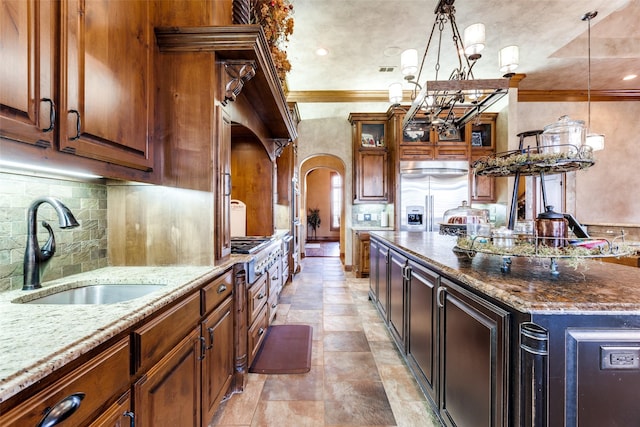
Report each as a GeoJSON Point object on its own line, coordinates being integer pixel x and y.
{"type": "Point", "coordinates": [449, 104]}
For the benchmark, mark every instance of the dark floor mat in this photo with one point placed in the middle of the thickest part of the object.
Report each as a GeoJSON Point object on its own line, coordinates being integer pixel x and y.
{"type": "Point", "coordinates": [286, 349]}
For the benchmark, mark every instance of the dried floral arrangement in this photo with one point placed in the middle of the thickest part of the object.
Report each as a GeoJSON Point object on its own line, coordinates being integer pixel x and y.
{"type": "Point", "coordinates": [275, 17]}
{"type": "Point", "coordinates": [610, 249]}
{"type": "Point", "coordinates": [533, 161]}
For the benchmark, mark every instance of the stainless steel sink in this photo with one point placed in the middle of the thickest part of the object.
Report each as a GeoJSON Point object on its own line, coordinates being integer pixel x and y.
{"type": "Point", "coordinates": [97, 294]}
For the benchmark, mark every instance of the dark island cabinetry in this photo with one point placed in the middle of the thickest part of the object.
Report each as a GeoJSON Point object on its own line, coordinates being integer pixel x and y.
{"type": "Point", "coordinates": [523, 349]}
{"type": "Point", "coordinates": [455, 342]}
{"type": "Point", "coordinates": [396, 285]}
{"type": "Point", "coordinates": [379, 264]}
{"type": "Point", "coordinates": [473, 353]}
{"type": "Point", "coordinates": [421, 323]}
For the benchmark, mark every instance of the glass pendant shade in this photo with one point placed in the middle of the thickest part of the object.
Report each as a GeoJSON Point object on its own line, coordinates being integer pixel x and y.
{"type": "Point", "coordinates": [474, 37]}
{"type": "Point", "coordinates": [595, 141]}
{"type": "Point", "coordinates": [395, 93]}
{"type": "Point", "coordinates": [409, 63]}
{"type": "Point", "coordinates": [509, 57]}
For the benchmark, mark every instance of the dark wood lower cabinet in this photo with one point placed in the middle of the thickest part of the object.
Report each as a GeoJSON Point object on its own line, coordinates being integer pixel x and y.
{"type": "Point", "coordinates": [473, 355]}
{"type": "Point", "coordinates": [397, 272]}
{"type": "Point", "coordinates": [217, 365]}
{"type": "Point", "coordinates": [117, 415]}
{"type": "Point", "coordinates": [421, 324]}
{"type": "Point", "coordinates": [169, 393]}
{"type": "Point", "coordinates": [378, 290]}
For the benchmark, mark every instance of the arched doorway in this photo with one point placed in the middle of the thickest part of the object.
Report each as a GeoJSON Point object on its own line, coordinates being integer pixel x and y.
{"type": "Point", "coordinates": [320, 169]}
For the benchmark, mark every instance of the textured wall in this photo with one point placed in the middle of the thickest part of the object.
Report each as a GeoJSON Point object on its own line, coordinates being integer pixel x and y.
{"type": "Point", "coordinates": [79, 249]}
{"type": "Point", "coordinates": [606, 192]}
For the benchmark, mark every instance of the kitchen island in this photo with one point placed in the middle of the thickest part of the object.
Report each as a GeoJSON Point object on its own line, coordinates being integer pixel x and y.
{"type": "Point", "coordinates": [523, 347]}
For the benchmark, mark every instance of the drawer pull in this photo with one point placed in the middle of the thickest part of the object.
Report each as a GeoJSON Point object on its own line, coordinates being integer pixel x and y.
{"type": "Point", "coordinates": [260, 296]}
{"type": "Point", "coordinates": [61, 410]}
{"type": "Point", "coordinates": [222, 288]}
{"type": "Point", "coordinates": [274, 305]}
{"type": "Point", "coordinates": [260, 331]}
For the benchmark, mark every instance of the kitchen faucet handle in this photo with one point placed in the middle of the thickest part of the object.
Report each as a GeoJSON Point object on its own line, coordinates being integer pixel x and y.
{"type": "Point", "coordinates": [49, 247]}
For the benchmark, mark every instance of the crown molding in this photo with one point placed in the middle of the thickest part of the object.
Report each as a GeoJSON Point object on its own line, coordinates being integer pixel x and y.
{"type": "Point", "coordinates": [340, 95]}
{"type": "Point", "coordinates": [578, 95]}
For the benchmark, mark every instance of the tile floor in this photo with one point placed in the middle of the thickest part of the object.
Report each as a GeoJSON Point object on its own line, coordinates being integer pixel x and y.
{"type": "Point", "coordinates": [315, 249]}
{"type": "Point", "coordinates": [357, 377]}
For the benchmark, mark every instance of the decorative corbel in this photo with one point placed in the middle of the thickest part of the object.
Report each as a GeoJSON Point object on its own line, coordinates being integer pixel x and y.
{"type": "Point", "coordinates": [280, 143]}
{"type": "Point", "coordinates": [239, 72]}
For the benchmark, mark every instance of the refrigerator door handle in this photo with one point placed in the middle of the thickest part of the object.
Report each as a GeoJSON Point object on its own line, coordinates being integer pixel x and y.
{"type": "Point", "coordinates": [432, 214]}
{"type": "Point", "coordinates": [429, 213]}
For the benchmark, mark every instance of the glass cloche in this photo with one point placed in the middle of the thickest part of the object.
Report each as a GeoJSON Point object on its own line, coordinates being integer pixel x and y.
{"type": "Point", "coordinates": [454, 221]}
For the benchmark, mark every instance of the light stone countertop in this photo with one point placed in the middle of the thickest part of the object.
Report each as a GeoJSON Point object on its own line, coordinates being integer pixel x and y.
{"type": "Point", "coordinates": [37, 339]}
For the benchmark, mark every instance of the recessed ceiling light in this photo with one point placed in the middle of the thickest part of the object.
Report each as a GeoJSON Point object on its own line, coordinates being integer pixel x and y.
{"type": "Point", "coordinates": [392, 51]}
{"type": "Point", "coordinates": [322, 51]}
{"type": "Point", "coordinates": [630, 77]}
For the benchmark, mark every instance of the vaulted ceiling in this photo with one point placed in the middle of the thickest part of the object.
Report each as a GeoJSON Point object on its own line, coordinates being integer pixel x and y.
{"type": "Point", "coordinates": [364, 36]}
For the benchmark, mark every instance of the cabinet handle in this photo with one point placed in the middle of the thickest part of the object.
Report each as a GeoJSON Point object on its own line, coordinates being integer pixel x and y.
{"type": "Point", "coordinates": [260, 296]}
{"type": "Point", "coordinates": [78, 125]}
{"type": "Point", "coordinates": [131, 415]}
{"type": "Point", "coordinates": [406, 273]}
{"type": "Point", "coordinates": [61, 410]}
{"type": "Point", "coordinates": [274, 305]}
{"type": "Point", "coordinates": [260, 331]}
{"type": "Point", "coordinates": [52, 114]}
{"type": "Point", "coordinates": [203, 347]}
{"type": "Point", "coordinates": [210, 330]}
{"type": "Point", "coordinates": [222, 288]}
{"type": "Point", "coordinates": [441, 290]}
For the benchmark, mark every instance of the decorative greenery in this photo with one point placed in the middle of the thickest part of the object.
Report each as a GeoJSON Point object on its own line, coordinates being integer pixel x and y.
{"type": "Point", "coordinates": [531, 160]}
{"type": "Point", "coordinates": [275, 18]}
{"type": "Point", "coordinates": [484, 245]}
{"type": "Point", "coordinates": [313, 220]}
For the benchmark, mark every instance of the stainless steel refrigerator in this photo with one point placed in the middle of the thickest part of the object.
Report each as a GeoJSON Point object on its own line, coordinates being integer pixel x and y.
{"type": "Point", "coordinates": [428, 189]}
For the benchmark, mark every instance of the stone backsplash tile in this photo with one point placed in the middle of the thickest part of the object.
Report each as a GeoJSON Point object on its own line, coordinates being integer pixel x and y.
{"type": "Point", "coordinates": [77, 250]}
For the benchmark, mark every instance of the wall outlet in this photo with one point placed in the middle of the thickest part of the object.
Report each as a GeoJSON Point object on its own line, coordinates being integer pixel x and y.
{"type": "Point", "coordinates": [360, 217]}
{"type": "Point", "coordinates": [619, 357]}
{"type": "Point", "coordinates": [367, 217]}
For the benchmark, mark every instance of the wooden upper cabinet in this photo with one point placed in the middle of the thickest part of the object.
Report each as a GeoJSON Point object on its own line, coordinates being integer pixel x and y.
{"type": "Point", "coordinates": [106, 84]}
{"type": "Point", "coordinates": [27, 87]}
{"type": "Point", "coordinates": [371, 161]}
{"type": "Point", "coordinates": [422, 141]}
{"type": "Point", "coordinates": [483, 143]}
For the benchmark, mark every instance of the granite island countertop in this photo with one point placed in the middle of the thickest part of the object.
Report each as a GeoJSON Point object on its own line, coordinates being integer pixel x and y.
{"type": "Point", "coordinates": [37, 339]}
{"type": "Point", "coordinates": [593, 287]}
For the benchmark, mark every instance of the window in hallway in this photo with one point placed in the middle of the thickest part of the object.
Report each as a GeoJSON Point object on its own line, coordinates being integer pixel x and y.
{"type": "Point", "coordinates": [336, 201]}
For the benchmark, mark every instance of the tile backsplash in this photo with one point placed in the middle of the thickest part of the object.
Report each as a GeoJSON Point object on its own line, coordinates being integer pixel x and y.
{"type": "Point", "coordinates": [77, 250]}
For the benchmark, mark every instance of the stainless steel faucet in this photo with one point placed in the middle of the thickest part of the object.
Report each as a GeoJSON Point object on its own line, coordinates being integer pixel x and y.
{"type": "Point", "coordinates": [36, 258]}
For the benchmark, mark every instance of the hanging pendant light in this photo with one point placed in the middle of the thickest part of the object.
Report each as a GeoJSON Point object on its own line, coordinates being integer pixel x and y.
{"type": "Point", "coordinates": [593, 140]}
{"type": "Point", "coordinates": [508, 59]}
{"type": "Point", "coordinates": [474, 36]}
{"type": "Point", "coordinates": [395, 93]}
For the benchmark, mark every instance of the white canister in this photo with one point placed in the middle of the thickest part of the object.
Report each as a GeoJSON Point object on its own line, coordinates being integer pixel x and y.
{"type": "Point", "coordinates": [384, 219]}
